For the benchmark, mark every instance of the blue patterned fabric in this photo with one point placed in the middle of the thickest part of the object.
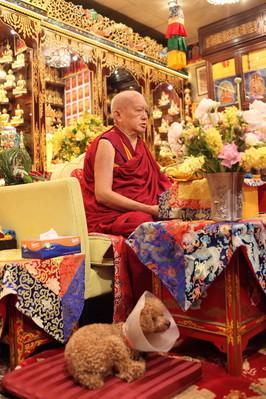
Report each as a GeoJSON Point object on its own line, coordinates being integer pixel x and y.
{"type": "Point", "coordinates": [49, 292]}
{"type": "Point", "coordinates": [188, 256]}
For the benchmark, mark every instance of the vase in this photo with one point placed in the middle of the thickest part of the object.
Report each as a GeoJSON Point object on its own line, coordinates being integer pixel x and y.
{"type": "Point", "coordinates": [226, 195]}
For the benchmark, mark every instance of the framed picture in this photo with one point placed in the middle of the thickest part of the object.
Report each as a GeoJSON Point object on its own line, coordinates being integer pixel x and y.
{"type": "Point", "coordinates": [225, 91]}
{"type": "Point", "coordinates": [201, 77]}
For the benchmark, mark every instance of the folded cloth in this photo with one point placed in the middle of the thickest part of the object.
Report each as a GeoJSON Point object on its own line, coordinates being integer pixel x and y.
{"type": "Point", "coordinates": [186, 200]}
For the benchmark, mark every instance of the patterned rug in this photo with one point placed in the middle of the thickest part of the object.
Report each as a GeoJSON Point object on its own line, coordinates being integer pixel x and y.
{"type": "Point", "coordinates": [215, 382]}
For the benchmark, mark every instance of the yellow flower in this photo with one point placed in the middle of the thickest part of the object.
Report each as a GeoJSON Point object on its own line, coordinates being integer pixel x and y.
{"type": "Point", "coordinates": [254, 158]}
{"type": "Point", "coordinates": [191, 165]}
{"type": "Point", "coordinates": [79, 135]}
{"type": "Point", "coordinates": [213, 140]}
{"type": "Point", "coordinates": [70, 141]}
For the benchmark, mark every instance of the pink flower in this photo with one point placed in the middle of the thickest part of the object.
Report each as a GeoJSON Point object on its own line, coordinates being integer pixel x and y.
{"type": "Point", "coordinates": [229, 155]}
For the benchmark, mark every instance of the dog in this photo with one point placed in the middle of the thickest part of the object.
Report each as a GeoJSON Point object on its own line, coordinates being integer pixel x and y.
{"type": "Point", "coordinates": [95, 351]}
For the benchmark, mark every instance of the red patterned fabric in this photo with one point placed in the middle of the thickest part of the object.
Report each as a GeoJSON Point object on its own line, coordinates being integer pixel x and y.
{"type": "Point", "coordinates": [136, 176]}
{"type": "Point", "coordinates": [131, 278]}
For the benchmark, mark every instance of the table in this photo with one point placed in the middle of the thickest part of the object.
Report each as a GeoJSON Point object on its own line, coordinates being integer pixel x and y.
{"type": "Point", "coordinates": [40, 300]}
{"type": "Point", "coordinates": [211, 276]}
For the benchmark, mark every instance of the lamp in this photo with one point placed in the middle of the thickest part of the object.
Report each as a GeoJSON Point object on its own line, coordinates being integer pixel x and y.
{"type": "Point", "coordinates": [222, 2]}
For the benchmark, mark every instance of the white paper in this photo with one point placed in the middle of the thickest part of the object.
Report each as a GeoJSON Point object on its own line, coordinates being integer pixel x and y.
{"type": "Point", "coordinates": [50, 234]}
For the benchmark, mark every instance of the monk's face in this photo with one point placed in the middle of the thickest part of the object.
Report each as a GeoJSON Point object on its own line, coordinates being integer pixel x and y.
{"type": "Point", "coordinates": [132, 116]}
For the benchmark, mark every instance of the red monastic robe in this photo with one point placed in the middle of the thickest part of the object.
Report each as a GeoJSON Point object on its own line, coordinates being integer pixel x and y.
{"type": "Point", "coordinates": [136, 175]}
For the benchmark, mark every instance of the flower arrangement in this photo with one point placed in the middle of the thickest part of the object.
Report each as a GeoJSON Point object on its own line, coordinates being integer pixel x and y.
{"type": "Point", "coordinates": [227, 141]}
{"type": "Point", "coordinates": [71, 141]}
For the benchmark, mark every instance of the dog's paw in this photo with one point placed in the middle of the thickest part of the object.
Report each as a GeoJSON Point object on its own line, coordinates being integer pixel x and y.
{"type": "Point", "coordinates": [134, 370]}
{"type": "Point", "coordinates": [90, 381]}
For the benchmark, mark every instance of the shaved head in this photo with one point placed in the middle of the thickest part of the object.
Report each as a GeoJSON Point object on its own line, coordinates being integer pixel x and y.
{"type": "Point", "coordinates": [123, 99]}
{"type": "Point", "coordinates": [130, 112]}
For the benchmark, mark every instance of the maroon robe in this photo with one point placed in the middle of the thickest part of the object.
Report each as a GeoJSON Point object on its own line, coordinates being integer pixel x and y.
{"type": "Point", "coordinates": [136, 176]}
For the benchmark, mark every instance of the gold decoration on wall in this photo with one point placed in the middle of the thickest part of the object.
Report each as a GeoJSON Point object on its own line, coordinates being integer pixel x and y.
{"type": "Point", "coordinates": [231, 34]}
{"type": "Point", "coordinates": [55, 41]}
{"type": "Point", "coordinates": [98, 25]}
{"type": "Point", "coordinates": [42, 4]}
{"type": "Point", "coordinates": [113, 61]}
{"type": "Point", "coordinates": [25, 26]}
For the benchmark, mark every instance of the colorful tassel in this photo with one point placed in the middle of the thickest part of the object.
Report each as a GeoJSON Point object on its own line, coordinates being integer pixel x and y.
{"type": "Point", "coordinates": [176, 33]}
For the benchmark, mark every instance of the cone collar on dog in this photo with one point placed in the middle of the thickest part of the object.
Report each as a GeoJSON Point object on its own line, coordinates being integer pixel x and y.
{"type": "Point", "coordinates": [157, 342]}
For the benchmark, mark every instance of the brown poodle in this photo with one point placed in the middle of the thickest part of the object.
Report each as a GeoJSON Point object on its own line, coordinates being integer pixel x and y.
{"type": "Point", "coordinates": [98, 350]}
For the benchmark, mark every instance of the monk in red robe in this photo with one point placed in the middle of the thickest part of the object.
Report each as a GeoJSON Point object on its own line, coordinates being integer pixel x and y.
{"type": "Point", "coordinates": [122, 181]}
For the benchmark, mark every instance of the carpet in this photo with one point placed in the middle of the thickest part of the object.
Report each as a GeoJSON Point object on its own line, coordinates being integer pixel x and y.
{"type": "Point", "coordinates": [215, 382]}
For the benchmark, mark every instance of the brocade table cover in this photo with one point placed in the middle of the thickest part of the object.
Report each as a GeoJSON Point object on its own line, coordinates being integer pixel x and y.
{"type": "Point", "coordinates": [188, 256]}
{"type": "Point", "coordinates": [49, 291]}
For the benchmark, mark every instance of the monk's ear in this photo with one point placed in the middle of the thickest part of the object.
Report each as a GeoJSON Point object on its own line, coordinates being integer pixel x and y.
{"type": "Point", "coordinates": [116, 114]}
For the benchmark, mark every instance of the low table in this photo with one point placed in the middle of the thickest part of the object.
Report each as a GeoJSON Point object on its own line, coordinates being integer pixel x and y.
{"type": "Point", "coordinates": [211, 276]}
{"type": "Point", "coordinates": [40, 300]}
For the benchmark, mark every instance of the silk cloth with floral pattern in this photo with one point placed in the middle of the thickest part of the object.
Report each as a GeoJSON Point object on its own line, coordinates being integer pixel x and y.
{"type": "Point", "coordinates": [50, 292]}
{"type": "Point", "coordinates": [188, 256]}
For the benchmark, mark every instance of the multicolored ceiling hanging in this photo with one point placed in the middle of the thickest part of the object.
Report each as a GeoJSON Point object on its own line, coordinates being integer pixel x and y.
{"type": "Point", "coordinates": [176, 33]}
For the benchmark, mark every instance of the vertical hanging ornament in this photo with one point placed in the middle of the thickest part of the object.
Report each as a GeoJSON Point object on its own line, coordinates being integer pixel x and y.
{"type": "Point", "coordinates": [176, 33]}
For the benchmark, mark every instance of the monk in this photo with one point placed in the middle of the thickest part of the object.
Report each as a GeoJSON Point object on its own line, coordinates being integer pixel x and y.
{"type": "Point", "coordinates": [122, 181]}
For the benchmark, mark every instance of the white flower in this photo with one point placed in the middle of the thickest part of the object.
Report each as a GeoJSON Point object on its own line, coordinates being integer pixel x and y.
{"type": "Point", "coordinates": [259, 106]}
{"type": "Point", "coordinates": [174, 135]}
{"type": "Point", "coordinates": [251, 139]}
{"type": "Point", "coordinates": [253, 117]}
{"type": "Point", "coordinates": [206, 105]}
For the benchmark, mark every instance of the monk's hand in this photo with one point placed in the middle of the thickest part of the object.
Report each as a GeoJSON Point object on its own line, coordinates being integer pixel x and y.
{"type": "Point", "coordinates": [154, 210]}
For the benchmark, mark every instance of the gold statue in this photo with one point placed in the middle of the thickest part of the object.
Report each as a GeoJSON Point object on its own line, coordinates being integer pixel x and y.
{"type": "Point", "coordinates": [4, 118]}
{"type": "Point", "coordinates": [7, 55]}
{"type": "Point", "coordinates": [164, 100]}
{"type": "Point", "coordinates": [173, 110]}
{"type": "Point", "coordinates": [3, 95]}
{"type": "Point", "coordinates": [156, 113]}
{"type": "Point", "coordinates": [10, 82]}
{"type": "Point", "coordinates": [2, 74]}
{"type": "Point", "coordinates": [18, 118]}
{"type": "Point", "coordinates": [19, 61]}
{"type": "Point", "coordinates": [164, 126]}
{"type": "Point", "coordinates": [21, 87]}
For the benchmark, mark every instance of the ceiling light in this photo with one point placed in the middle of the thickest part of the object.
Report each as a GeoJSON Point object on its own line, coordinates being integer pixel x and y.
{"type": "Point", "coordinates": [222, 2]}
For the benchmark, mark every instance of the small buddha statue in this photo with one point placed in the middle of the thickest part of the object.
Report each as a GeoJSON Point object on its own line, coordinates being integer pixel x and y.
{"type": "Point", "coordinates": [156, 113]}
{"type": "Point", "coordinates": [7, 54]}
{"type": "Point", "coordinates": [4, 118]}
{"type": "Point", "coordinates": [18, 118]}
{"type": "Point", "coordinates": [10, 82]}
{"type": "Point", "coordinates": [2, 74]}
{"type": "Point", "coordinates": [3, 95]}
{"type": "Point", "coordinates": [19, 61]}
{"type": "Point", "coordinates": [173, 110]}
{"type": "Point", "coordinates": [164, 100]}
{"type": "Point", "coordinates": [164, 126]}
{"type": "Point", "coordinates": [21, 87]}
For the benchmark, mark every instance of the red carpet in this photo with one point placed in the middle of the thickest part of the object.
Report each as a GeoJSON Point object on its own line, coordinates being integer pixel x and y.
{"type": "Point", "coordinates": [215, 383]}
